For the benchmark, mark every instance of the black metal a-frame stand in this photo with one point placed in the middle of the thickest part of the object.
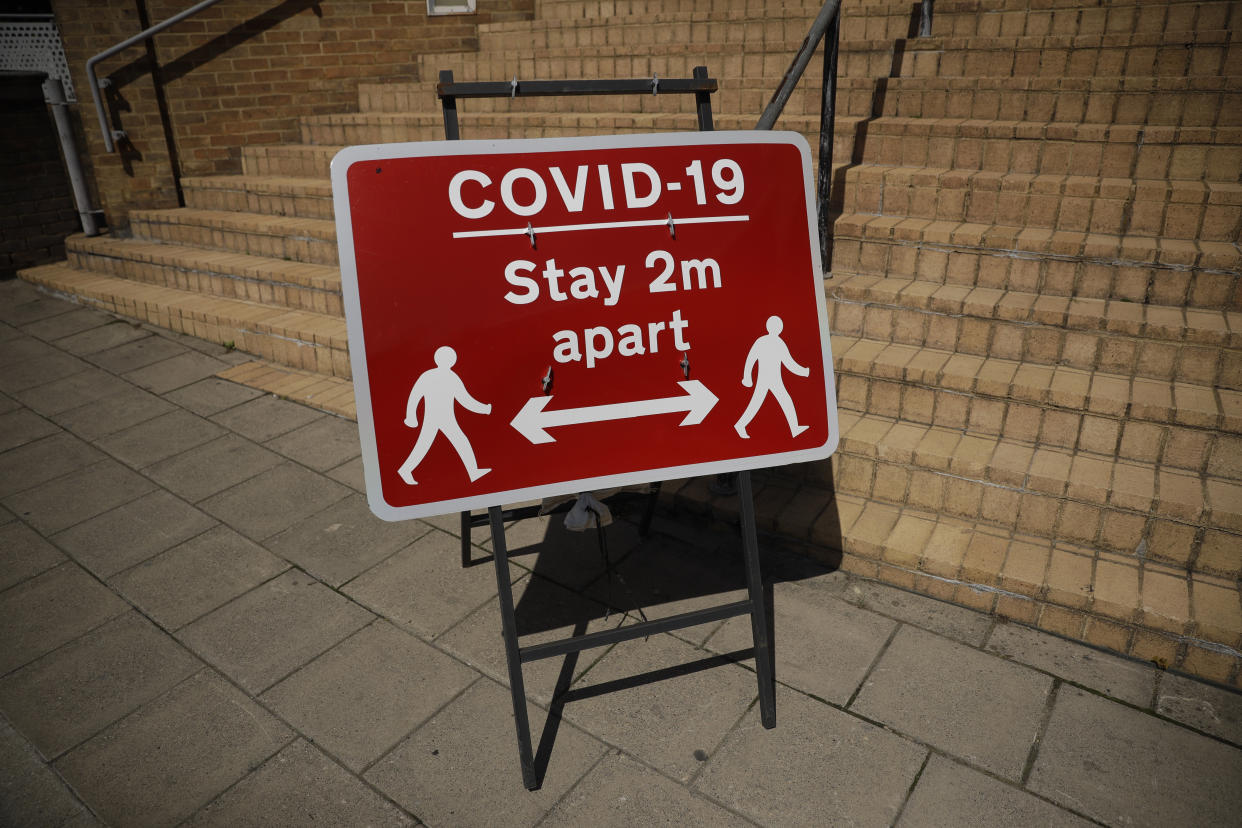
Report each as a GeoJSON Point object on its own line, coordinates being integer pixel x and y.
{"type": "Point", "coordinates": [755, 604]}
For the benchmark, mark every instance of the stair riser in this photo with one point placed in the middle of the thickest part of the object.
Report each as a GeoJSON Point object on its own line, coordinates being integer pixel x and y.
{"type": "Point", "coordinates": [270, 292]}
{"type": "Point", "coordinates": [1041, 344]}
{"type": "Point", "coordinates": [963, 19]}
{"type": "Point", "coordinates": [1049, 149]}
{"type": "Point", "coordinates": [1115, 424]}
{"type": "Point", "coordinates": [1150, 209]}
{"type": "Point", "coordinates": [928, 60]}
{"type": "Point", "coordinates": [312, 250]}
{"type": "Point", "coordinates": [280, 347]}
{"type": "Point", "coordinates": [1172, 532]}
{"type": "Point", "coordinates": [268, 204]}
{"type": "Point", "coordinates": [1067, 106]}
{"type": "Point", "coordinates": [291, 162]}
{"type": "Point", "coordinates": [1070, 274]}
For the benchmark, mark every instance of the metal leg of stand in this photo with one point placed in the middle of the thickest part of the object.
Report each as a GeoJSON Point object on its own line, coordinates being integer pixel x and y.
{"type": "Point", "coordinates": [508, 627]}
{"type": "Point", "coordinates": [465, 539]}
{"type": "Point", "coordinates": [758, 611]}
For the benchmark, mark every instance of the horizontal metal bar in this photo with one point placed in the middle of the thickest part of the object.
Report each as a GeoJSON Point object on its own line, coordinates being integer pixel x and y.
{"type": "Point", "coordinates": [639, 630]}
{"type": "Point", "coordinates": [535, 88]}
{"type": "Point", "coordinates": [520, 513]}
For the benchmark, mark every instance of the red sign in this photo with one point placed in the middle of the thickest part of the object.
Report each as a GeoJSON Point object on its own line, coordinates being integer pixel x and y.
{"type": "Point", "coordinates": [548, 316]}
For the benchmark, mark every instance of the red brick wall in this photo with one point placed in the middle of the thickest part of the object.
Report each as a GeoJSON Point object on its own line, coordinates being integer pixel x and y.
{"type": "Point", "coordinates": [239, 73]}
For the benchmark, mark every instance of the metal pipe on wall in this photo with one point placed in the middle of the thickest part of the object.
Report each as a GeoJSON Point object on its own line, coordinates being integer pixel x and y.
{"type": "Point", "coordinates": [54, 94]}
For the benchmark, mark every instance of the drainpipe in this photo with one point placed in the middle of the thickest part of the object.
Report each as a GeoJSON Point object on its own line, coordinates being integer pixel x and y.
{"type": "Point", "coordinates": [54, 94]}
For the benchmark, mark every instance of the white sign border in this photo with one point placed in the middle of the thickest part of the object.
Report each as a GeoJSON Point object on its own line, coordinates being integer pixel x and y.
{"type": "Point", "coordinates": [341, 163]}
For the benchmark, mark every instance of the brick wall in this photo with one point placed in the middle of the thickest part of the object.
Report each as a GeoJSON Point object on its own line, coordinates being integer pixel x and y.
{"type": "Point", "coordinates": [238, 73]}
{"type": "Point", "coordinates": [36, 203]}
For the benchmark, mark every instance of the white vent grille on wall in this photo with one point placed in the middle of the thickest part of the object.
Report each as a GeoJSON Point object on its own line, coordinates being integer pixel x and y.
{"type": "Point", "coordinates": [31, 43]}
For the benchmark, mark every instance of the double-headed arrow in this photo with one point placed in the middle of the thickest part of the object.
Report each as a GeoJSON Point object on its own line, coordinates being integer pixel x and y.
{"type": "Point", "coordinates": [532, 421]}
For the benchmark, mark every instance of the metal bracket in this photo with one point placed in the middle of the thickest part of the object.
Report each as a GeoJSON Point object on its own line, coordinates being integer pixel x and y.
{"type": "Point", "coordinates": [655, 83]}
{"type": "Point", "coordinates": [513, 87]}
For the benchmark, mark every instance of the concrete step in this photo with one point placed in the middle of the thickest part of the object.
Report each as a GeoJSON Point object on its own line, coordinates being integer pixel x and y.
{"type": "Point", "coordinates": [1097, 501]}
{"type": "Point", "coordinates": [1049, 148]}
{"type": "Point", "coordinates": [297, 338]}
{"type": "Point", "coordinates": [222, 273]}
{"type": "Point", "coordinates": [333, 131]}
{"type": "Point", "coordinates": [1209, 211]}
{"type": "Point", "coordinates": [1142, 607]}
{"type": "Point", "coordinates": [887, 18]}
{"type": "Point", "coordinates": [276, 237]}
{"type": "Point", "coordinates": [1106, 413]}
{"type": "Point", "coordinates": [1135, 99]}
{"type": "Point", "coordinates": [289, 160]}
{"type": "Point", "coordinates": [267, 195]}
{"type": "Point", "coordinates": [1059, 263]}
{"type": "Point", "coordinates": [1161, 342]}
{"type": "Point", "coordinates": [1201, 54]}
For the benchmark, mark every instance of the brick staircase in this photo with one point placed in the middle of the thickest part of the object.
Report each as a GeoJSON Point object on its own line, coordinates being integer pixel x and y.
{"type": "Point", "coordinates": [1035, 298]}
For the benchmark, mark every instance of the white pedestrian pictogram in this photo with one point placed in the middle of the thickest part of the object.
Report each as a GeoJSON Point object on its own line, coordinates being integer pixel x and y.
{"type": "Point", "coordinates": [439, 389]}
{"type": "Point", "coordinates": [767, 357]}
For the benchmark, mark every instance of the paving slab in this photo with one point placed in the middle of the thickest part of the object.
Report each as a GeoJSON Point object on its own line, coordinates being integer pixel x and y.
{"type": "Point", "coordinates": [343, 540]}
{"type": "Point", "coordinates": [1131, 681]}
{"type": "Point", "coordinates": [461, 767]}
{"type": "Point", "coordinates": [24, 553]}
{"type": "Point", "coordinates": [136, 354]}
{"type": "Point", "coordinates": [543, 611]}
{"type": "Point", "coordinates": [266, 417]}
{"type": "Point", "coordinates": [8, 403]}
{"type": "Point", "coordinates": [174, 754]}
{"type": "Point", "coordinates": [212, 467]}
{"type": "Point", "coordinates": [620, 793]}
{"type": "Point", "coordinates": [830, 670]}
{"type": "Point", "coordinates": [1214, 710]}
{"type": "Point", "coordinates": [300, 786]}
{"type": "Point", "coordinates": [27, 466]}
{"type": "Point", "coordinates": [105, 337]}
{"type": "Point", "coordinates": [133, 532]}
{"type": "Point", "coordinates": [21, 374]}
{"type": "Point", "coordinates": [159, 438]}
{"type": "Point", "coordinates": [321, 444]}
{"type": "Point", "coordinates": [23, 426]}
{"type": "Point", "coordinates": [663, 700]}
{"type": "Point", "coordinates": [75, 691]}
{"type": "Point", "coordinates": [68, 323]}
{"type": "Point", "coordinates": [50, 609]}
{"type": "Point", "coordinates": [274, 629]}
{"type": "Point", "coordinates": [818, 764]}
{"type": "Point", "coordinates": [366, 694]}
{"type": "Point", "coordinates": [78, 496]}
{"type": "Point", "coordinates": [1122, 767]}
{"type": "Point", "coordinates": [211, 396]}
{"type": "Point", "coordinates": [27, 307]}
{"type": "Point", "coordinates": [30, 792]}
{"type": "Point", "coordinates": [274, 500]}
{"type": "Point", "coordinates": [350, 473]}
{"type": "Point", "coordinates": [955, 698]}
{"type": "Point", "coordinates": [175, 372]}
{"type": "Point", "coordinates": [112, 413]}
{"type": "Point", "coordinates": [88, 385]}
{"type": "Point", "coordinates": [958, 623]}
{"type": "Point", "coordinates": [664, 579]}
{"type": "Point", "coordinates": [423, 588]}
{"type": "Point", "coordinates": [949, 793]}
{"type": "Point", "coordinates": [194, 578]}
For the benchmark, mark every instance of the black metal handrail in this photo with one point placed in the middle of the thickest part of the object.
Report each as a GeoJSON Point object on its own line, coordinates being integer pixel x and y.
{"type": "Point", "coordinates": [827, 27]}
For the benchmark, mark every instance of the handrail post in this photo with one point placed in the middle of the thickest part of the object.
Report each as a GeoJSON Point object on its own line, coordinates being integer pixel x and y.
{"type": "Point", "coordinates": [925, 19]}
{"type": "Point", "coordinates": [827, 122]}
{"type": "Point", "coordinates": [54, 94]}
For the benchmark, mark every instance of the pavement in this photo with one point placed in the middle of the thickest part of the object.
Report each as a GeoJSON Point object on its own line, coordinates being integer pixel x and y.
{"type": "Point", "coordinates": [201, 623]}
